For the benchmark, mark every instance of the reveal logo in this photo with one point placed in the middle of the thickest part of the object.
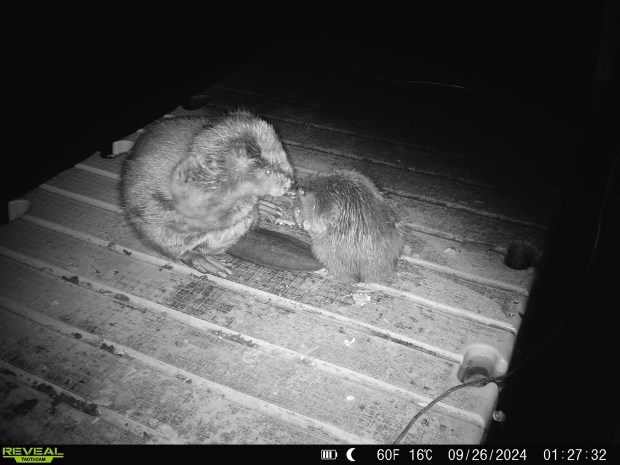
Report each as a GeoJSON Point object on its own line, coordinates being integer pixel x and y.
{"type": "Point", "coordinates": [32, 454]}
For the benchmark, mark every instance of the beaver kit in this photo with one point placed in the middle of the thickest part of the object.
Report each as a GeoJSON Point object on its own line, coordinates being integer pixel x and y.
{"type": "Point", "coordinates": [353, 230]}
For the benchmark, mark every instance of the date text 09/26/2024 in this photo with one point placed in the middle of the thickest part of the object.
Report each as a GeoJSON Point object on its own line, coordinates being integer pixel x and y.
{"type": "Point", "coordinates": [479, 454]}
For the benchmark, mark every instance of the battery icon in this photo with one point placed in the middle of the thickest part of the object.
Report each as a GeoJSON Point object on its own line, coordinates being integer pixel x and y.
{"type": "Point", "coordinates": [329, 454]}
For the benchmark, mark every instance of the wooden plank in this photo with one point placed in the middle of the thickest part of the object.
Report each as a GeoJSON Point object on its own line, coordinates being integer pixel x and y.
{"type": "Point", "coordinates": [84, 256]}
{"type": "Point", "coordinates": [374, 323]}
{"type": "Point", "coordinates": [138, 403]}
{"type": "Point", "coordinates": [489, 306]}
{"type": "Point", "coordinates": [435, 236]}
{"type": "Point", "coordinates": [164, 339]}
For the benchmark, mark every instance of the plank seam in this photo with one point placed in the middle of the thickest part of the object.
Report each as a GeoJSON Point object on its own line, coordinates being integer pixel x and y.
{"type": "Point", "coordinates": [266, 408]}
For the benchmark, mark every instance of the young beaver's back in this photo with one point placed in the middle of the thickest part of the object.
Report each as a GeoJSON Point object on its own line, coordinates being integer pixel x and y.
{"type": "Point", "coordinates": [353, 229]}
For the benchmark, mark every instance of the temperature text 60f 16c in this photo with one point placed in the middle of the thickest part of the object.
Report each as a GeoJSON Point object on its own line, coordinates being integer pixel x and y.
{"type": "Point", "coordinates": [414, 454]}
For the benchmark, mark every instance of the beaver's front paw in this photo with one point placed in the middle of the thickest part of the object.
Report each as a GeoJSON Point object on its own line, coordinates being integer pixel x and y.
{"type": "Point", "coordinates": [268, 210]}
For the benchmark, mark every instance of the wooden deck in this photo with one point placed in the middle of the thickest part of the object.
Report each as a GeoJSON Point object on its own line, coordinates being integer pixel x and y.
{"type": "Point", "coordinates": [104, 341]}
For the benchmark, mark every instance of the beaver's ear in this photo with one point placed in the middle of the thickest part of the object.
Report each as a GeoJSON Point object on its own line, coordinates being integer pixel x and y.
{"type": "Point", "coordinates": [246, 146]}
{"type": "Point", "coordinates": [331, 213]}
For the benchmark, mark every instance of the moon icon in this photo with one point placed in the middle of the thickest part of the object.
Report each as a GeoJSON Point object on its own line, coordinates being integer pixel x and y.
{"type": "Point", "coordinates": [350, 454]}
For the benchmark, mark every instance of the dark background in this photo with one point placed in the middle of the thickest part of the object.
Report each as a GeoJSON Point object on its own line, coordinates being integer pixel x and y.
{"type": "Point", "coordinates": [79, 80]}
